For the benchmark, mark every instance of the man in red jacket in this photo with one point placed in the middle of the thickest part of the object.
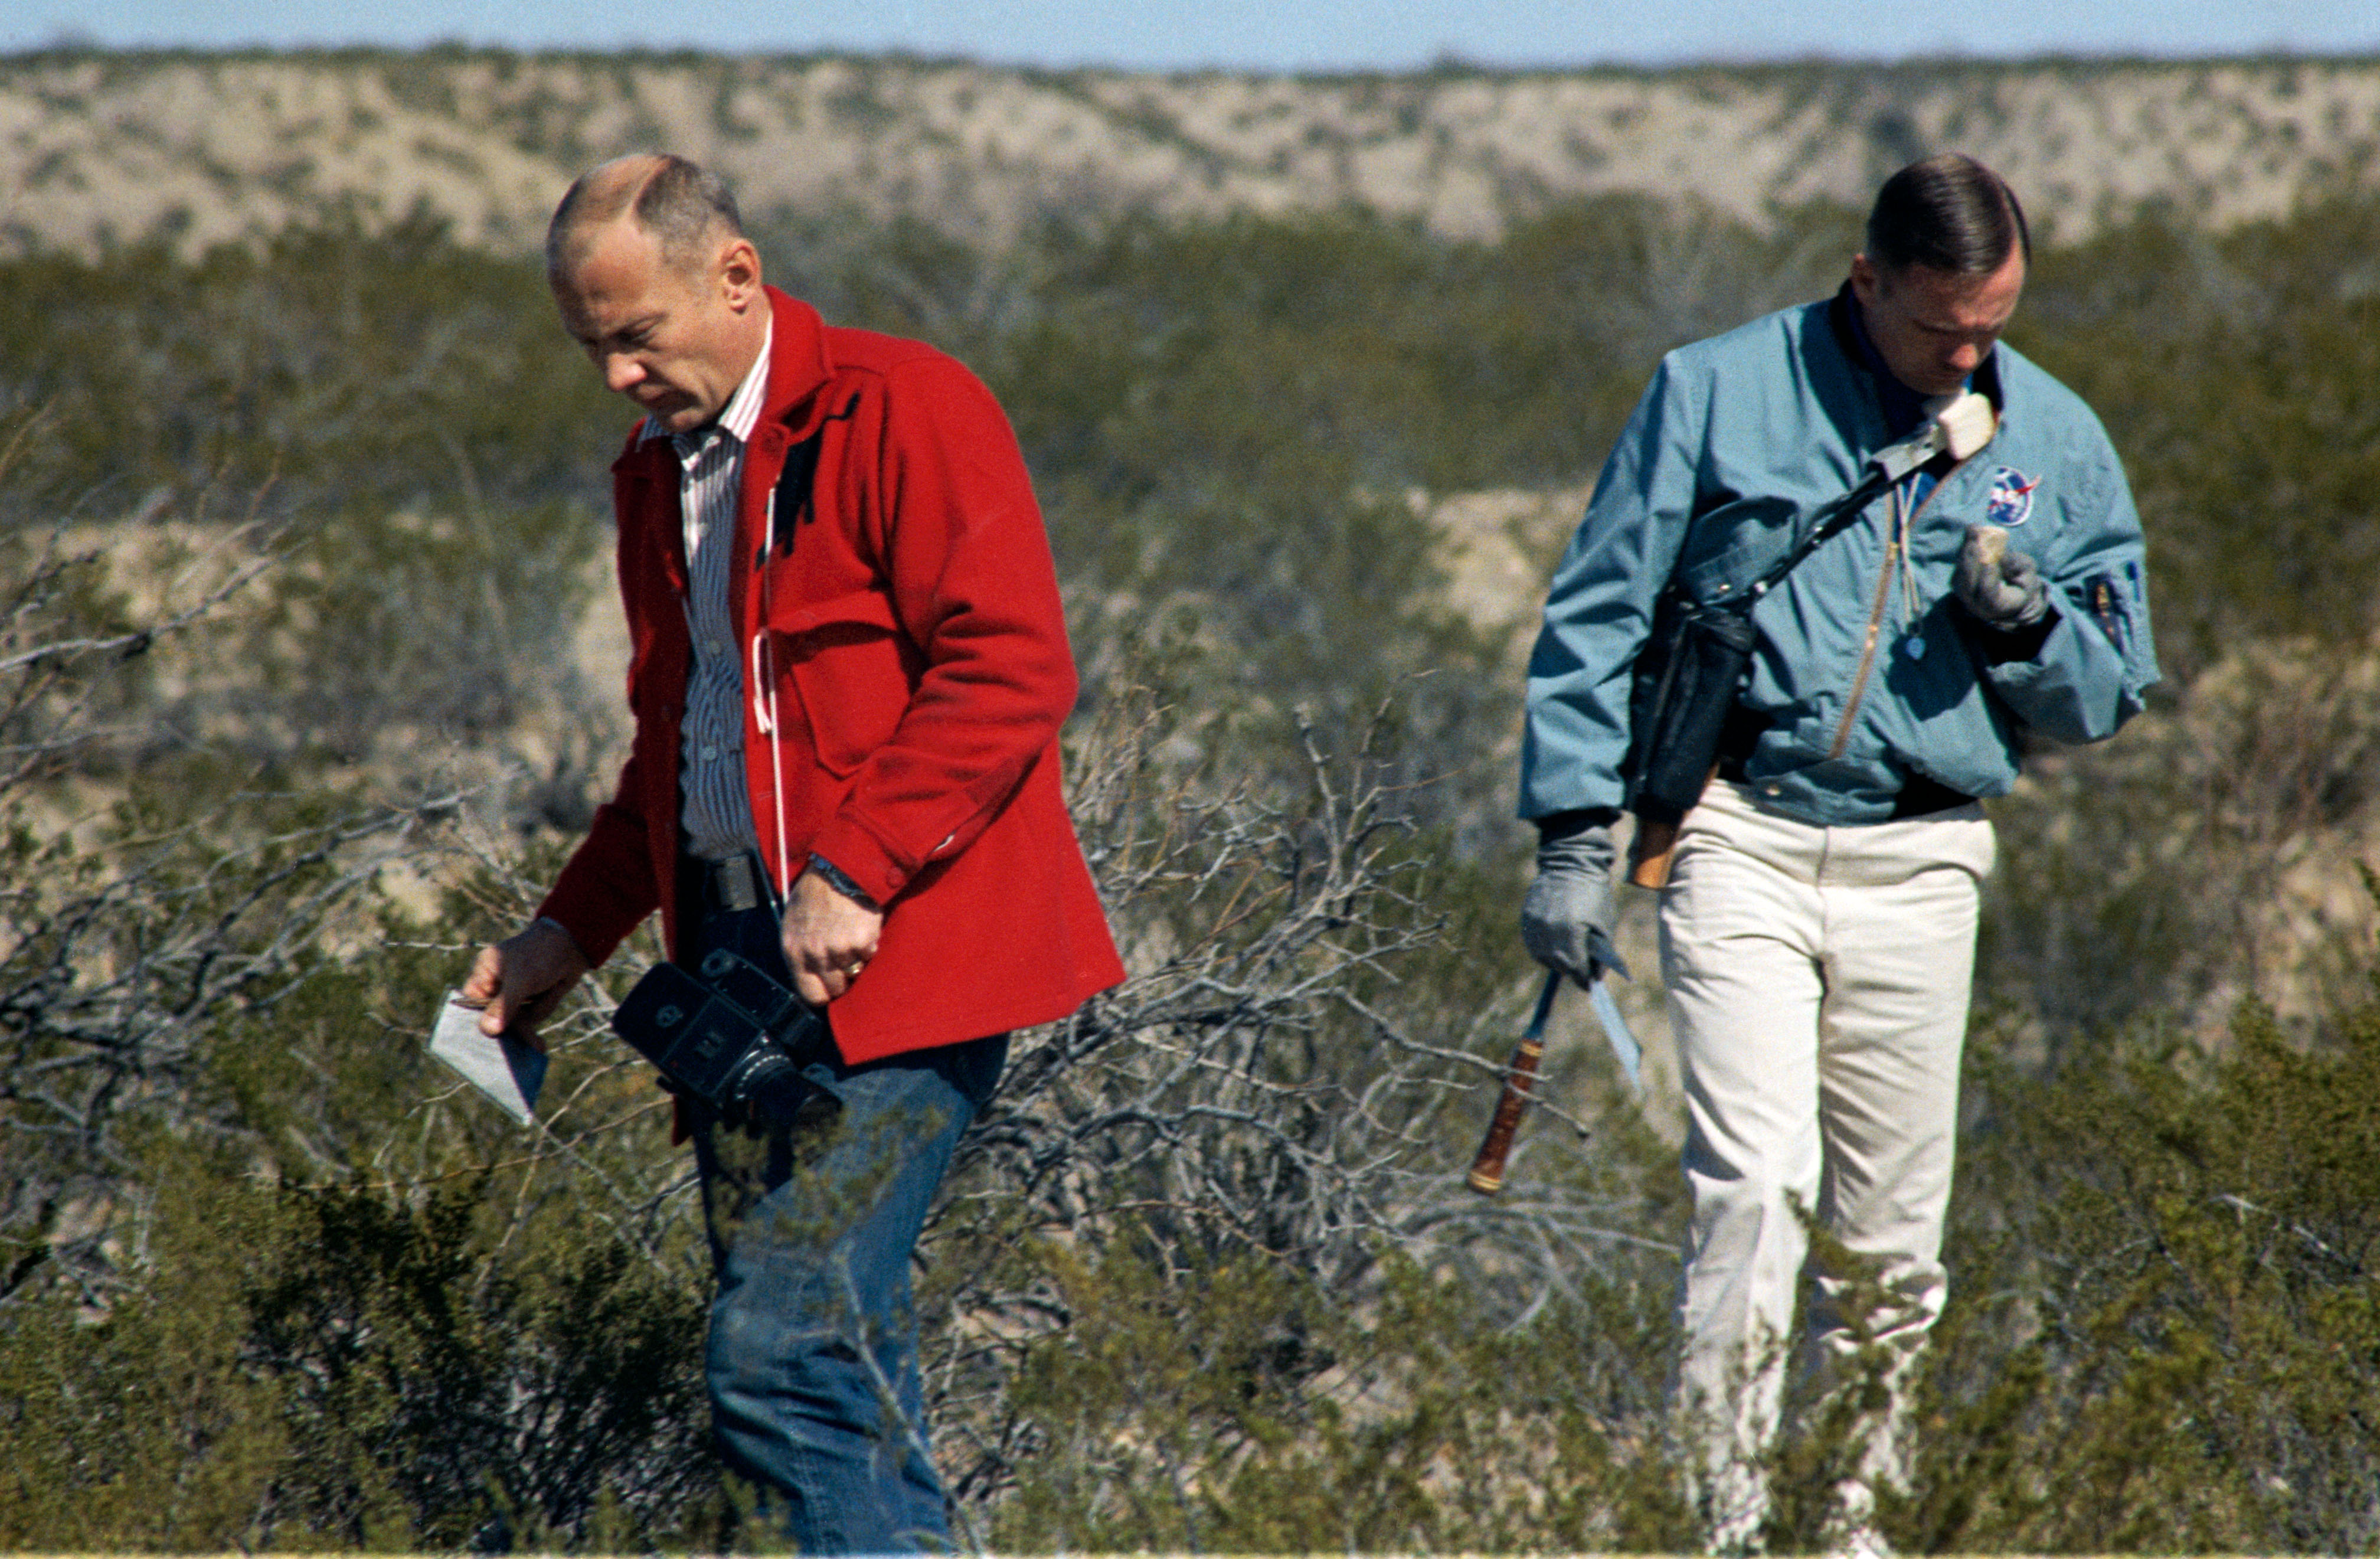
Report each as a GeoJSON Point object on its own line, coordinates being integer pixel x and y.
{"type": "Point", "coordinates": [850, 667]}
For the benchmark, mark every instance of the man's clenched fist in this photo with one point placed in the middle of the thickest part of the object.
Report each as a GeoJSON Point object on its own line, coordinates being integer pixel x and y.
{"type": "Point", "coordinates": [2003, 588]}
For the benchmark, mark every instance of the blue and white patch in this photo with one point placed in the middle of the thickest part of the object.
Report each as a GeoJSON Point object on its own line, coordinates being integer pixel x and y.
{"type": "Point", "coordinates": [2010, 502]}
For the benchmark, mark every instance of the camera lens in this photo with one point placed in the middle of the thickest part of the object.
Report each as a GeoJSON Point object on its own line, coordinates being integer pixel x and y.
{"type": "Point", "coordinates": [764, 1079]}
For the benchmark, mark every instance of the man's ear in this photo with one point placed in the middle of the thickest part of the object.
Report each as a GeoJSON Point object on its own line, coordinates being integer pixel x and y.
{"type": "Point", "coordinates": [1866, 282]}
{"type": "Point", "coordinates": [737, 273]}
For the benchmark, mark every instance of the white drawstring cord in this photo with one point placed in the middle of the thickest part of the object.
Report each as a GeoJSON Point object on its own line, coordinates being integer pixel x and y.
{"type": "Point", "coordinates": [764, 667]}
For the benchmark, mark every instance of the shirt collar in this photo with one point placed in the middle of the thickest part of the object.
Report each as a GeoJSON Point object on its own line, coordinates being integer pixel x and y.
{"type": "Point", "coordinates": [738, 416]}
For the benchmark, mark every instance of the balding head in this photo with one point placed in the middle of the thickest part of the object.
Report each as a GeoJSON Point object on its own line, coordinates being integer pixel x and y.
{"type": "Point", "coordinates": [655, 279]}
{"type": "Point", "coordinates": [688, 209]}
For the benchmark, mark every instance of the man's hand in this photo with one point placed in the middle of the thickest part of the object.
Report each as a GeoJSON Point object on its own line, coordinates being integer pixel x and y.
{"type": "Point", "coordinates": [2003, 588]}
{"type": "Point", "coordinates": [828, 938]}
{"type": "Point", "coordinates": [521, 980]}
{"type": "Point", "coordinates": [1570, 904]}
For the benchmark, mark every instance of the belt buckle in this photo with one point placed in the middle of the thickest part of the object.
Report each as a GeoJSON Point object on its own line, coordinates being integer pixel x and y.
{"type": "Point", "coordinates": [736, 884]}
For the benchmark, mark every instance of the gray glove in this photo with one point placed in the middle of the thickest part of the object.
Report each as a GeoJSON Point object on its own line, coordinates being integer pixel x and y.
{"type": "Point", "coordinates": [1566, 920]}
{"type": "Point", "coordinates": [2003, 588]}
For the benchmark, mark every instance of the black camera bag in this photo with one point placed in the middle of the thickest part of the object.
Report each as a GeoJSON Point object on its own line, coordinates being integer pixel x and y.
{"type": "Point", "coordinates": [1685, 684]}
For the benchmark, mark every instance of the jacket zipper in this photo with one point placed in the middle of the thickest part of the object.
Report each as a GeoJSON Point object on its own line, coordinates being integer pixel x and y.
{"type": "Point", "coordinates": [1867, 652]}
{"type": "Point", "coordinates": [1876, 616]}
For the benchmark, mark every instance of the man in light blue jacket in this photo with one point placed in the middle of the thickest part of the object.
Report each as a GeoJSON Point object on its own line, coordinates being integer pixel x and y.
{"type": "Point", "coordinates": [1817, 929]}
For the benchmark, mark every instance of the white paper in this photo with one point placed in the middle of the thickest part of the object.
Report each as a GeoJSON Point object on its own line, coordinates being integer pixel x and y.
{"type": "Point", "coordinates": [507, 1071]}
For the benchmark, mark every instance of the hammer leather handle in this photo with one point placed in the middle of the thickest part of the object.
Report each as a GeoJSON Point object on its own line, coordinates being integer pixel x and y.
{"type": "Point", "coordinates": [1649, 854]}
{"type": "Point", "coordinates": [1520, 1080]}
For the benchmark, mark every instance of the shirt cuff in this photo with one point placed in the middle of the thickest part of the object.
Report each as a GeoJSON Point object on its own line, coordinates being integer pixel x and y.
{"type": "Point", "coordinates": [836, 878]}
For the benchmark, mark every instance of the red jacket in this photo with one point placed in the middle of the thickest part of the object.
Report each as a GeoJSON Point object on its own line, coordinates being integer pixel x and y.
{"type": "Point", "coordinates": [908, 615]}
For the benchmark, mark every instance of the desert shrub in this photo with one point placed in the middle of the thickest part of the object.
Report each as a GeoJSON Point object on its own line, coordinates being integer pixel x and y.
{"type": "Point", "coordinates": [484, 1395]}
{"type": "Point", "coordinates": [1209, 1275]}
{"type": "Point", "coordinates": [1226, 420]}
{"type": "Point", "coordinates": [239, 1250]}
{"type": "Point", "coordinates": [2165, 1337]}
{"type": "Point", "coordinates": [1286, 1420]}
{"type": "Point", "coordinates": [1226, 1190]}
{"type": "Point", "coordinates": [93, 1405]}
{"type": "Point", "coordinates": [136, 920]}
{"type": "Point", "coordinates": [328, 1367]}
{"type": "Point", "coordinates": [400, 419]}
{"type": "Point", "coordinates": [2204, 855]}
{"type": "Point", "coordinates": [359, 375]}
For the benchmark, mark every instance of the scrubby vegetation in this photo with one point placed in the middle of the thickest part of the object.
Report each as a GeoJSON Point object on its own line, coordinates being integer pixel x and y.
{"type": "Point", "coordinates": [296, 546]}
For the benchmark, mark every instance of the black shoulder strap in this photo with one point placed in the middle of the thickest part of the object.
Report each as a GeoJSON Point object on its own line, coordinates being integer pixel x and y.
{"type": "Point", "coordinates": [795, 498]}
{"type": "Point", "coordinates": [795, 494]}
{"type": "Point", "coordinates": [1832, 520]}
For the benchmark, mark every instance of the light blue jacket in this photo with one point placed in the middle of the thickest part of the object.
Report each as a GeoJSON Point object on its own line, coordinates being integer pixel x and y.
{"type": "Point", "coordinates": [1863, 668]}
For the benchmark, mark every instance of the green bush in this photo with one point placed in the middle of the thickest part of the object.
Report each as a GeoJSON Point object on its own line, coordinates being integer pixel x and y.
{"type": "Point", "coordinates": [305, 1367]}
{"type": "Point", "coordinates": [2165, 1334]}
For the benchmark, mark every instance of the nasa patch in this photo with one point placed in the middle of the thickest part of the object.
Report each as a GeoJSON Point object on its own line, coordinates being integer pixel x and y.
{"type": "Point", "coordinates": [2010, 502]}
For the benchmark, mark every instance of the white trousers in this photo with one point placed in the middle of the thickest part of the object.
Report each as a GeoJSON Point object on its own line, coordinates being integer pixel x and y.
{"type": "Point", "coordinates": [1818, 982]}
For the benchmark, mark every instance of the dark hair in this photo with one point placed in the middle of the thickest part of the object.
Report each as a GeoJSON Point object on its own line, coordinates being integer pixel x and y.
{"type": "Point", "coordinates": [1947, 212]}
{"type": "Point", "coordinates": [679, 202]}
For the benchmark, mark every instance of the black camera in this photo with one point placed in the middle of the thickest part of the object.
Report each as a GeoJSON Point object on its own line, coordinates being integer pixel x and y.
{"type": "Point", "coordinates": [729, 1033]}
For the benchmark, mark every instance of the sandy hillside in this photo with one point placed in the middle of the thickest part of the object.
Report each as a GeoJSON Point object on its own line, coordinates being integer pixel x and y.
{"type": "Point", "coordinates": [200, 147]}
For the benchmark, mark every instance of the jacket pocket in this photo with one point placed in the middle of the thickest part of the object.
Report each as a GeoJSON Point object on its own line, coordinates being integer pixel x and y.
{"type": "Point", "coordinates": [848, 665]}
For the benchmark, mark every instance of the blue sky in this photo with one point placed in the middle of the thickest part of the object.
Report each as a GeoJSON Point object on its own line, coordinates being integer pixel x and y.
{"type": "Point", "coordinates": [1258, 34]}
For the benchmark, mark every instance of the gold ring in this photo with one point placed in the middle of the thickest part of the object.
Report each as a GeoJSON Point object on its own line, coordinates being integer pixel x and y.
{"type": "Point", "coordinates": [853, 972]}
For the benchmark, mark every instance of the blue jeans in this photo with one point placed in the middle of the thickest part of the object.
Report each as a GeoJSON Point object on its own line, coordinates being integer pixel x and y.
{"type": "Point", "coordinates": [813, 1351]}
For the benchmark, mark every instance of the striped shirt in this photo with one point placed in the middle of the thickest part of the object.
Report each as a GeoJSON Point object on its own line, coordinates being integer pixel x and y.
{"type": "Point", "coordinates": [714, 805]}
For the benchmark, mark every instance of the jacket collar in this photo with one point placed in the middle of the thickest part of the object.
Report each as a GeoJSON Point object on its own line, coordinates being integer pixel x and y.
{"type": "Point", "coordinates": [798, 363]}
